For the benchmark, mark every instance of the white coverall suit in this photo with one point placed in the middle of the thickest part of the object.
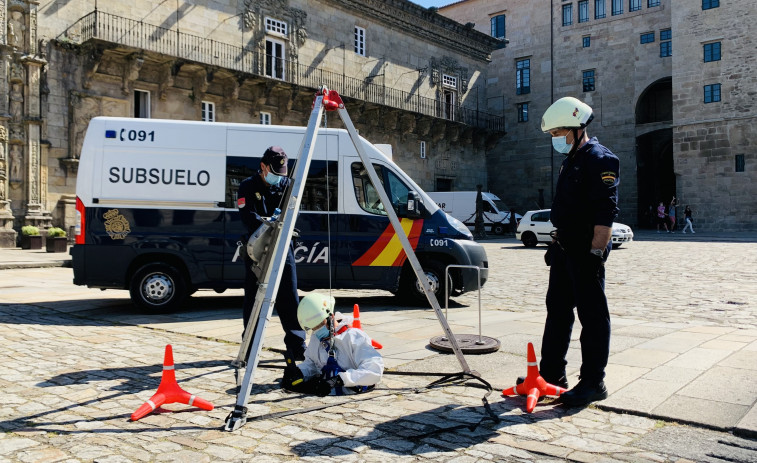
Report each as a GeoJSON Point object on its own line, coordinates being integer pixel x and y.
{"type": "Point", "coordinates": [362, 364]}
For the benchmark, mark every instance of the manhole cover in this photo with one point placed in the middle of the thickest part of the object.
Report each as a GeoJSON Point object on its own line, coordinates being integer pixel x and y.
{"type": "Point", "coordinates": [468, 343]}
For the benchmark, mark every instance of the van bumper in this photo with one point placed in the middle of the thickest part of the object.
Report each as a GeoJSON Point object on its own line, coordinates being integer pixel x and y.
{"type": "Point", "coordinates": [472, 253]}
{"type": "Point", "coordinates": [92, 269]}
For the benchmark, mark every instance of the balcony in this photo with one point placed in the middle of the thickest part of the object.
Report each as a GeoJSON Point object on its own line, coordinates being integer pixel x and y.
{"type": "Point", "coordinates": [140, 35]}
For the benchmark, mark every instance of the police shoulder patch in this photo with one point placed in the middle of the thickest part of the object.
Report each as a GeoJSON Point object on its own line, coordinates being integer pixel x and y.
{"type": "Point", "coordinates": [241, 202]}
{"type": "Point", "coordinates": [608, 177]}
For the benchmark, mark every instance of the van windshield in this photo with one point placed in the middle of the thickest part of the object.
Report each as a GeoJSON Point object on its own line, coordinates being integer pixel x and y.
{"type": "Point", "coordinates": [367, 196]}
{"type": "Point", "coordinates": [501, 206]}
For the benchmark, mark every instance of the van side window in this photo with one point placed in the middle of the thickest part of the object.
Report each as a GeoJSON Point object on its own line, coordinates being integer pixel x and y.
{"type": "Point", "coordinates": [366, 195]}
{"type": "Point", "coordinates": [321, 193]}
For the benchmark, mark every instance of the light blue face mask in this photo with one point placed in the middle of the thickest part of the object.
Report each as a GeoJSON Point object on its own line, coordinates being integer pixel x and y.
{"type": "Point", "coordinates": [273, 179]}
{"type": "Point", "coordinates": [560, 145]}
{"type": "Point", "coordinates": [322, 333]}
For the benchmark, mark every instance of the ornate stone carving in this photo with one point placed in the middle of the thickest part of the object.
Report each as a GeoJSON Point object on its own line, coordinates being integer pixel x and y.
{"type": "Point", "coordinates": [255, 11]}
{"type": "Point", "coordinates": [166, 80]}
{"type": "Point", "coordinates": [3, 137]}
{"type": "Point", "coordinates": [34, 195]}
{"type": "Point", "coordinates": [91, 62]}
{"type": "Point", "coordinates": [16, 30]}
{"type": "Point", "coordinates": [33, 28]}
{"type": "Point", "coordinates": [16, 162]}
{"type": "Point", "coordinates": [451, 67]}
{"type": "Point", "coordinates": [230, 94]}
{"type": "Point", "coordinates": [3, 26]}
{"type": "Point", "coordinates": [17, 72]}
{"type": "Point", "coordinates": [16, 97]}
{"type": "Point", "coordinates": [130, 73]}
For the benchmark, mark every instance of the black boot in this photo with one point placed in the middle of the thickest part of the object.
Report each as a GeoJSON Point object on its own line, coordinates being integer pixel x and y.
{"type": "Point", "coordinates": [584, 393]}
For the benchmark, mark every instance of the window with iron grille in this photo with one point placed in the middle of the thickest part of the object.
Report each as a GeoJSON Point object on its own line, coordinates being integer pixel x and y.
{"type": "Point", "coordinates": [498, 26]}
{"type": "Point", "coordinates": [274, 26]}
{"type": "Point", "coordinates": [208, 111]}
{"type": "Point", "coordinates": [583, 11]}
{"type": "Point", "coordinates": [709, 4]}
{"type": "Point", "coordinates": [586, 41]}
{"type": "Point", "coordinates": [360, 41]}
{"type": "Point", "coordinates": [711, 52]}
{"type": "Point", "coordinates": [567, 14]}
{"type": "Point", "coordinates": [599, 9]}
{"type": "Point", "coordinates": [522, 112]}
{"type": "Point", "coordinates": [588, 80]}
{"type": "Point", "coordinates": [617, 7]}
{"type": "Point", "coordinates": [712, 93]}
{"type": "Point", "coordinates": [647, 37]}
{"type": "Point", "coordinates": [634, 5]}
{"type": "Point", "coordinates": [522, 76]}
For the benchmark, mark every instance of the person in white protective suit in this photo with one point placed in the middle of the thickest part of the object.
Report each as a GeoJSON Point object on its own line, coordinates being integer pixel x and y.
{"type": "Point", "coordinates": [339, 359]}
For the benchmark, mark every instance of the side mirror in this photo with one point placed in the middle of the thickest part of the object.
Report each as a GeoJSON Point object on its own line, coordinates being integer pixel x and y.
{"type": "Point", "coordinates": [414, 205]}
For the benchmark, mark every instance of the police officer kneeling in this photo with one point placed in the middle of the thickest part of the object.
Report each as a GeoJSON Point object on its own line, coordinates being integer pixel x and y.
{"type": "Point", "coordinates": [583, 210]}
{"type": "Point", "coordinates": [339, 360]}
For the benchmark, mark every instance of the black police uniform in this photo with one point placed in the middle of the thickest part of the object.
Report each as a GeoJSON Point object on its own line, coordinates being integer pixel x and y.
{"type": "Point", "coordinates": [586, 195]}
{"type": "Point", "coordinates": [257, 196]}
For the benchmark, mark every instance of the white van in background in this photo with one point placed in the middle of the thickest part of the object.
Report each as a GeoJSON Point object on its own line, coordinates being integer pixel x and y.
{"type": "Point", "coordinates": [462, 206]}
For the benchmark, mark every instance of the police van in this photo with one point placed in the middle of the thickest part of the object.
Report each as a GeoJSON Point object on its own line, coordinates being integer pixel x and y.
{"type": "Point", "coordinates": [156, 213]}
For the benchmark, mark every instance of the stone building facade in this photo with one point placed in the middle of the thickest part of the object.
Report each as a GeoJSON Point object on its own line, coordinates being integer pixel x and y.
{"type": "Point", "coordinates": [410, 78]}
{"type": "Point", "coordinates": [641, 65]}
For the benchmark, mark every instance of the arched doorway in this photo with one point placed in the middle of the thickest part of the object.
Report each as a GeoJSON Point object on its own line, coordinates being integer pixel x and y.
{"type": "Point", "coordinates": [654, 149]}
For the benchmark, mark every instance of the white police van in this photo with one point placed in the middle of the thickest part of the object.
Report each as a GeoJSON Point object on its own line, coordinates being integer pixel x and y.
{"type": "Point", "coordinates": [156, 212]}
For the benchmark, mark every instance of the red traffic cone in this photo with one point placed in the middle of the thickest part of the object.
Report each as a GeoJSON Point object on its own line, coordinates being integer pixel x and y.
{"type": "Point", "coordinates": [534, 386]}
{"type": "Point", "coordinates": [169, 391]}
{"type": "Point", "coordinates": [356, 324]}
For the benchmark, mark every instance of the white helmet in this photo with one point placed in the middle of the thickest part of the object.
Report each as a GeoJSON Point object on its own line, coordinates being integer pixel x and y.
{"type": "Point", "coordinates": [313, 309]}
{"type": "Point", "coordinates": [567, 112]}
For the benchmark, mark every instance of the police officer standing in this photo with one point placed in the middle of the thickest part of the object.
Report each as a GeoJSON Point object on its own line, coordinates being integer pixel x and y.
{"type": "Point", "coordinates": [258, 197]}
{"type": "Point", "coordinates": [583, 210]}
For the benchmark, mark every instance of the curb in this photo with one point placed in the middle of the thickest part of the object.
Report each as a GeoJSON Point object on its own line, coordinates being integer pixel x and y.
{"type": "Point", "coordinates": [22, 265]}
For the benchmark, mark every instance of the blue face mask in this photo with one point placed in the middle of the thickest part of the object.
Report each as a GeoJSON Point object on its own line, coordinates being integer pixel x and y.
{"type": "Point", "coordinates": [322, 333]}
{"type": "Point", "coordinates": [560, 145]}
{"type": "Point", "coordinates": [273, 179]}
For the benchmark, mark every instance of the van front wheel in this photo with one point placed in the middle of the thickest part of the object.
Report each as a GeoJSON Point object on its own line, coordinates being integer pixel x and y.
{"type": "Point", "coordinates": [411, 289]}
{"type": "Point", "coordinates": [157, 288]}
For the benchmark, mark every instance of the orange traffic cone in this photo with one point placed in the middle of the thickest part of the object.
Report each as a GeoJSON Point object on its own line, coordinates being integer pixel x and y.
{"type": "Point", "coordinates": [169, 391]}
{"type": "Point", "coordinates": [356, 324]}
{"type": "Point", "coordinates": [534, 386]}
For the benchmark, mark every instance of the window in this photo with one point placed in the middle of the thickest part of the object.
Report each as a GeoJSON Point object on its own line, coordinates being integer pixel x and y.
{"type": "Point", "coordinates": [567, 14]}
{"type": "Point", "coordinates": [711, 52]}
{"type": "Point", "coordinates": [588, 80]}
{"type": "Point", "coordinates": [583, 11]}
{"type": "Point", "coordinates": [708, 4]}
{"type": "Point", "coordinates": [444, 184]}
{"type": "Point", "coordinates": [740, 163]}
{"type": "Point", "coordinates": [448, 104]}
{"type": "Point", "coordinates": [208, 111]}
{"type": "Point", "coordinates": [651, 3]}
{"type": "Point", "coordinates": [617, 7]}
{"type": "Point", "coordinates": [498, 26]}
{"type": "Point", "coordinates": [523, 76]}
{"type": "Point", "coordinates": [666, 47]}
{"type": "Point", "coordinates": [423, 150]}
{"type": "Point", "coordinates": [586, 41]}
{"type": "Point", "coordinates": [522, 112]}
{"type": "Point", "coordinates": [540, 216]}
{"type": "Point", "coordinates": [647, 37]}
{"type": "Point", "coordinates": [276, 27]}
{"type": "Point", "coordinates": [321, 187]}
{"type": "Point", "coordinates": [599, 9]}
{"type": "Point", "coordinates": [265, 118]}
{"type": "Point", "coordinates": [449, 81]}
{"type": "Point", "coordinates": [634, 5]}
{"type": "Point", "coordinates": [360, 41]}
{"type": "Point", "coordinates": [367, 196]}
{"type": "Point", "coordinates": [274, 62]}
{"type": "Point", "coordinates": [141, 103]}
{"type": "Point", "coordinates": [711, 93]}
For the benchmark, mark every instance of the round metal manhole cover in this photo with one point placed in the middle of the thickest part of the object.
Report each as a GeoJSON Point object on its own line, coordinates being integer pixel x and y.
{"type": "Point", "coordinates": [468, 343]}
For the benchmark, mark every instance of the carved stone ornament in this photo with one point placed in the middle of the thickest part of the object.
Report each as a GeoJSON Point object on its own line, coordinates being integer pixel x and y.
{"type": "Point", "coordinates": [253, 19]}
{"type": "Point", "coordinates": [451, 67]}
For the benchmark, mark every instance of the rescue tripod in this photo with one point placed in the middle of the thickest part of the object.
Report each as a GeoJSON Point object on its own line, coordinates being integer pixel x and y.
{"type": "Point", "coordinates": [279, 236]}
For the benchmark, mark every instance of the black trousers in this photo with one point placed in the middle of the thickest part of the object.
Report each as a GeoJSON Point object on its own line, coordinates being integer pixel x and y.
{"type": "Point", "coordinates": [576, 280]}
{"type": "Point", "coordinates": [286, 302]}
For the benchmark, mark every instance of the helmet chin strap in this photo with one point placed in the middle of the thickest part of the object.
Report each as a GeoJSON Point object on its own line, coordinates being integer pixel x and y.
{"type": "Point", "coordinates": [576, 144]}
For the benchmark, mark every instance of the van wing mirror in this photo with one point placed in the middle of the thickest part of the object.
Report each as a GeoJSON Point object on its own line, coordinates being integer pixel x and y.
{"type": "Point", "coordinates": [414, 206]}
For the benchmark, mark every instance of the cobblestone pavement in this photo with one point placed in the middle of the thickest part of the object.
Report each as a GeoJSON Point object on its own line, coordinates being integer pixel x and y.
{"type": "Point", "coordinates": [78, 362]}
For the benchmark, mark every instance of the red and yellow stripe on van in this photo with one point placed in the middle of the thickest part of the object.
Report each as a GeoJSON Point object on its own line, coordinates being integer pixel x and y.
{"type": "Point", "coordinates": [387, 250]}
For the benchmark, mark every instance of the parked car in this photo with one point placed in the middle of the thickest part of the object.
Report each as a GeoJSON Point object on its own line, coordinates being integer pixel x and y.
{"type": "Point", "coordinates": [535, 227]}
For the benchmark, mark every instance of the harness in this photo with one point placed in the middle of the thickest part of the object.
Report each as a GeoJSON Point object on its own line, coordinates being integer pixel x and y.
{"type": "Point", "coordinates": [332, 368]}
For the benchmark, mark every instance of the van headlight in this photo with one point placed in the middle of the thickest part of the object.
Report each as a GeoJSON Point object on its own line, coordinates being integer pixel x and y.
{"type": "Point", "coordinates": [460, 227]}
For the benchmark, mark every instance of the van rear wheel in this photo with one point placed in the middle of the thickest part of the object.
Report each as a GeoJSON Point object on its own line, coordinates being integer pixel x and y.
{"type": "Point", "coordinates": [158, 287]}
{"type": "Point", "coordinates": [498, 229]}
{"type": "Point", "coordinates": [411, 290]}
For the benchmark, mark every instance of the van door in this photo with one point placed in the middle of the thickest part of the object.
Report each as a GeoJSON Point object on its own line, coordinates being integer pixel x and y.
{"type": "Point", "coordinates": [376, 254]}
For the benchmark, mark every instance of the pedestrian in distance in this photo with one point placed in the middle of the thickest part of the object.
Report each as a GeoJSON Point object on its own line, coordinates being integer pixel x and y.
{"type": "Point", "coordinates": [259, 196]}
{"type": "Point", "coordinates": [583, 210]}
{"type": "Point", "coordinates": [688, 219]}
{"type": "Point", "coordinates": [672, 214]}
{"type": "Point", "coordinates": [339, 359]}
{"type": "Point", "coordinates": [662, 218]}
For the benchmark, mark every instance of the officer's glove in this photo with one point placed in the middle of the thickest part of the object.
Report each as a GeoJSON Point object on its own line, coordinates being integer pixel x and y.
{"type": "Point", "coordinates": [324, 386]}
{"type": "Point", "coordinates": [293, 377]}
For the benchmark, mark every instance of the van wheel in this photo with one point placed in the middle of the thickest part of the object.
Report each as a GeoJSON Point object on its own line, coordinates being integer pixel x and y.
{"type": "Point", "coordinates": [529, 240]}
{"type": "Point", "coordinates": [411, 290]}
{"type": "Point", "coordinates": [157, 288]}
{"type": "Point", "coordinates": [498, 229]}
